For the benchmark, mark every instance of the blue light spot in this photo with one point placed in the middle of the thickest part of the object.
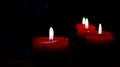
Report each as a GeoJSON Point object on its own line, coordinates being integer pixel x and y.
{"type": "Point", "coordinates": [11, 46]}
{"type": "Point", "coordinates": [25, 3]}
{"type": "Point", "coordinates": [46, 6]}
{"type": "Point", "coordinates": [37, 6]}
{"type": "Point", "coordinates": [27, 50]}
{"type": "Point", "coordinates": [19, 49]}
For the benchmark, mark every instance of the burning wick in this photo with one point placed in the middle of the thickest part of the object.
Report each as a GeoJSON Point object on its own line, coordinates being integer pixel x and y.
{"type": "Point", "coordinates": [50, 40]}
{"type": "Point", "coordinates": [51, 34]}
{"type": "Point", "coordinates": [86, 23]}
{"type": "Point", "coordinates": [83, 20]}
{"type": "Point", "coordinates": [100, 29]}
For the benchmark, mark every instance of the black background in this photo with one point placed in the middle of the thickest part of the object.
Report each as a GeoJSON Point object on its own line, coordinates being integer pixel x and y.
{"type": "Point", "coordinates": [20, 23]}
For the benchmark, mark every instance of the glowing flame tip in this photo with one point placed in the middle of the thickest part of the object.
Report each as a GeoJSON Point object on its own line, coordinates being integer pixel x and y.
{"type": "Point", "coordinates": [100, 29]}
{"type": "Point", "coordinates": [51, 33]}
{"type": "Point", "coordinates": [86, 23]}
{"type": "Point", "coordinates": [83, 20]}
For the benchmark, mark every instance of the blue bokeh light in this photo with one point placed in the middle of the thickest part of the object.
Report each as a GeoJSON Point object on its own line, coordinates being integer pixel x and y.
{"type": "Point", "coordinates": [46, 6]}
{"type": "Point", "coordinates": [19, 49]}
{"type": "Point", "coordinates": [12, 47]}
{"type": "Point", "coordinates": [38, 7]}
{"type": "Point", "coordinates": [28, 50]}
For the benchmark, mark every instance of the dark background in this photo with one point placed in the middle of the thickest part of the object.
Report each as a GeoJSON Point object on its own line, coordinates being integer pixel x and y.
{"type": "Point", "coordinates": [21, 21]}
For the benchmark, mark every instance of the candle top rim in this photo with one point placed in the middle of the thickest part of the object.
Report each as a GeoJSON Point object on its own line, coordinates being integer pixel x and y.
{"type": "Point", "coordinates": [48, 37]}
{"type": "Point", "coordinates": [48, 42]}
{"type": "Point", "coordinates": [106, 33]}
{"type": "Point", "coordinates": [84, 24]}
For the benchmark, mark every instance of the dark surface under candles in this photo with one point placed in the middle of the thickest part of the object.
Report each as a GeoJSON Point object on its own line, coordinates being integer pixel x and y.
{"type": "Point", "coordinates": [24, 20]}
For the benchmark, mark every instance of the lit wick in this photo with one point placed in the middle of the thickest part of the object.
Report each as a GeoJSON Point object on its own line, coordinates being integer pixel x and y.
{"type": "Point", "coordinates": [50, 40]}
{"type": "Point", "coordinates": [51, 34]}
{"type": "Point", "coordinates": [86, 23]}
{"type": "Point", "coordinates": [83, 20]}
{"type": "Point", "coordinates": [100, 29]}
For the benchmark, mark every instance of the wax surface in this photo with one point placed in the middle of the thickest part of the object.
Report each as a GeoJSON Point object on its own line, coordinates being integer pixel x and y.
{"type": "Point", "coordinates": [42, 44]}
{"type": "Point", "coordinates": [98, 39]}
{"type": "Point", "coordinates": [82, 31]}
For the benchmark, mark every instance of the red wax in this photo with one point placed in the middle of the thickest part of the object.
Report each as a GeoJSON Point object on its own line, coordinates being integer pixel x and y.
{"type": "Point", "coordinates": [42, 44]}
{"type": "Point", "coordinates": [82, 31]}
{"type": "Point", "coordinates": [95, 38]}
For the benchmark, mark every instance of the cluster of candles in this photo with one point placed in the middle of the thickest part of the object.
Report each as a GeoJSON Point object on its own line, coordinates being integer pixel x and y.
{"type": "Point", "coordinates": [90, 33]}
{"type": "Point", "coordinates": [84, 30]}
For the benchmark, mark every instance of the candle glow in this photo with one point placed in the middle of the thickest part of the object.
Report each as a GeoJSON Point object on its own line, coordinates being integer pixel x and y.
{"type": "Point", "coordinates": [100, 29]}
{"type": "Point", "coordinates": [51, 34]}
{"type": "Point", "coordinates": [50, 44]}
{"type": "Point", "coordinates": [100, 37]}
{"type": "Point", "coordinates": [84, 28]}
{"type": "Point", "coordinates": [86, 23]}
{"type": "Point", "coordinates": [83, 20]}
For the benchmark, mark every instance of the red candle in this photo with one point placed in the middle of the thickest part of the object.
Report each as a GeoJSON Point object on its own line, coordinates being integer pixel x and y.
{"type": "Point", "coordinates": [84, 28]}
{"type": "Point", "coordinates": [100, 37]}
{"type": "Point", "coordinates": [50, 44]}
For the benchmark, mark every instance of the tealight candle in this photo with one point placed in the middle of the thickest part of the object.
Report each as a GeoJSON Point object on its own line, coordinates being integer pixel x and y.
{"type": "Point", "coordinates": [50, 44]}
{"type": "Point", "coordinates": [100, 37]}
{"type": "Point", "coordinates": [84, 28]}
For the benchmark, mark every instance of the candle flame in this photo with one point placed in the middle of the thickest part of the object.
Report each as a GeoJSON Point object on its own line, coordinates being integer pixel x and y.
{"type": "Point", "coordinates": [51, 33]}
{"type": "Point", "coordinates": [86, 23]}
{"type": "Point", "coordinates": [100, 29]}
{"type": "Point", "coordinates": [83, 20]}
